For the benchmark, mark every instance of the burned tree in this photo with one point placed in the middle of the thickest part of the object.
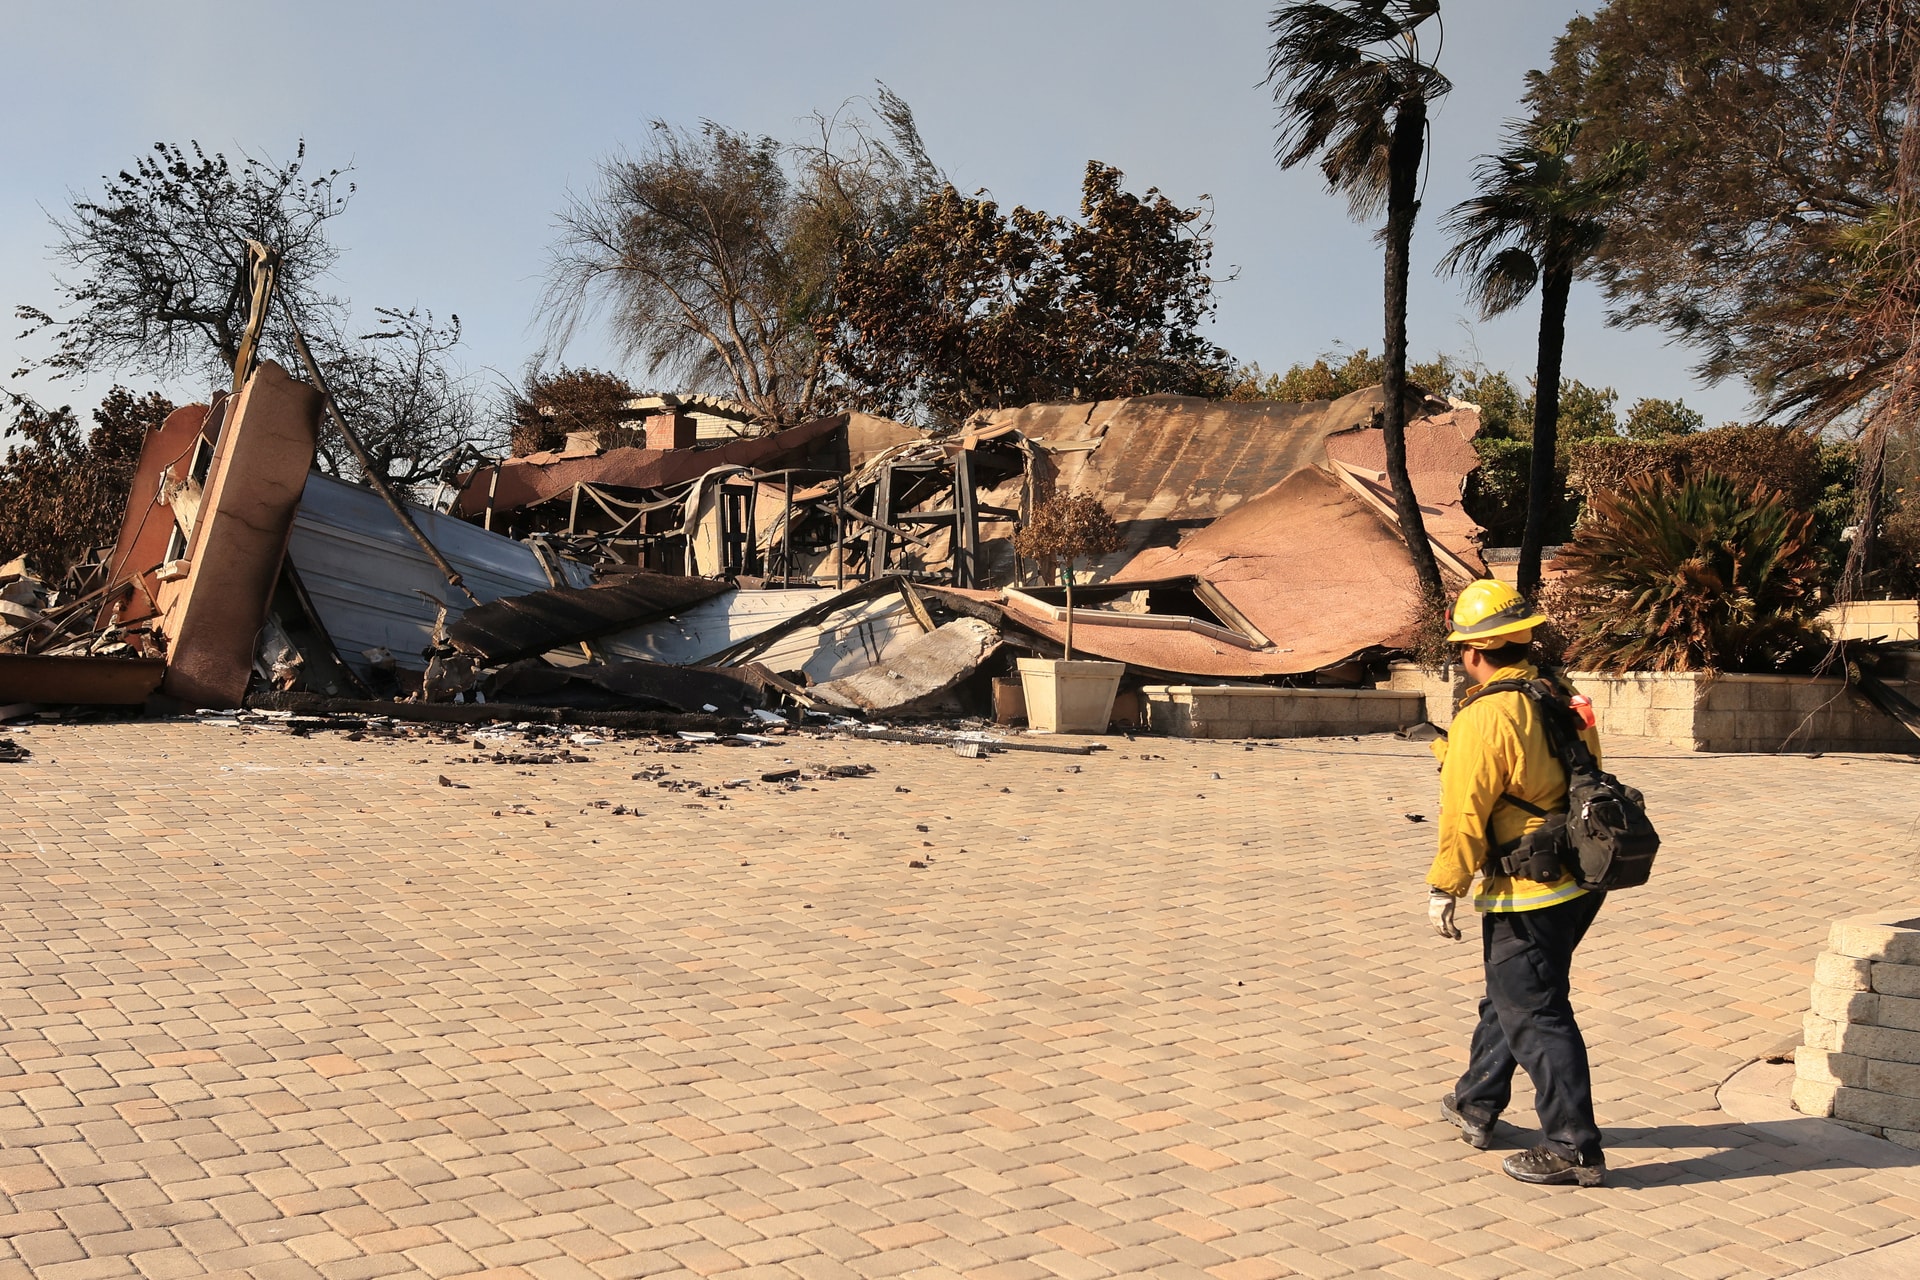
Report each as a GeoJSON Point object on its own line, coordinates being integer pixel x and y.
{"type": "Point", "coordinates": [1064, 530]}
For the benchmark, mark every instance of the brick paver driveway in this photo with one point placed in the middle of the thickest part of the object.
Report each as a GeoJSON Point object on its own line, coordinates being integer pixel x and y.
{"type": "Point", "coordinates": [286, 1006]}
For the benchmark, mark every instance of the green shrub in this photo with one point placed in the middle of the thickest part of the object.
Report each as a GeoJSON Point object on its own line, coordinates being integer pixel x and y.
{"type": "Point", "coordinates": [1496, 495]}
{"type": "Point", "coordinates": [1650, 419]}
{"type": "Point", "coordinates": [1695, 574]}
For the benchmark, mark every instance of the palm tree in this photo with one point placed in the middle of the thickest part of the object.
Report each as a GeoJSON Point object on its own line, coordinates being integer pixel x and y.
{"type": "Point", "coordinates": [1539, 217]}
{"type": "Point", "coordinates": [1353, 86]}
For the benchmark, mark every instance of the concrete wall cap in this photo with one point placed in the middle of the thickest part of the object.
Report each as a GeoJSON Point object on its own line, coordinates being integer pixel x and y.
{"type": "Point", "coordinates": [1877, 938]}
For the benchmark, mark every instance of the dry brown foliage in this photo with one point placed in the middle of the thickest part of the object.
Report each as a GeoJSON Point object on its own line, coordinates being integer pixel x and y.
{"type": "Point", "coordinates": [548, 405]}
{"type": "Point", "coordinates": [62, 490]}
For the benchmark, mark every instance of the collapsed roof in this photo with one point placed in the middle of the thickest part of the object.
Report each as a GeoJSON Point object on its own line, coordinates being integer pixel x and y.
{"type": "Point", "coordinates": [1259, 543]}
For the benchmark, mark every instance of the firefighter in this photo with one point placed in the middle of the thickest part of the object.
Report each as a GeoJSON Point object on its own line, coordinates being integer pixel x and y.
{"type": "Point", "coordinates": [1498, 778]}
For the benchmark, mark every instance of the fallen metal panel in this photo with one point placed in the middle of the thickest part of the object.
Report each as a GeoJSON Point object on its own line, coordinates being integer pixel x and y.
{"type": "Point", "coordinates": [521, 626]}
{"type": "Point", "coordinates": [372, 586]}
{"type": "Point", "coordinates": [845, 633]}
{"type": "Point", "coordinates": [715, 625]}
{"type": "Point", "coordinates": [81, 679]}
{"type": "Point", "coordinates": [850, 640]}
{"type": "Point", "coordinates": [844, 640]}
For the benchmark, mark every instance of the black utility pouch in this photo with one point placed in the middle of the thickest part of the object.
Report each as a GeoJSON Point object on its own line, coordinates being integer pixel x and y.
{"type": "Point", "coordinates": [1541, 854]}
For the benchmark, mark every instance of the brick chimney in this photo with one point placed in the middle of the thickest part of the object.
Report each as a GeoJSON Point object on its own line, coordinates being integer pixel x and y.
{"type": "Point", "coordinates": [671, 430]}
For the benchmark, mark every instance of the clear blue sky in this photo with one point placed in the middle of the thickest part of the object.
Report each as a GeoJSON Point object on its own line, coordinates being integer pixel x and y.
{"type": "Point", "coordinates": [466, 124]}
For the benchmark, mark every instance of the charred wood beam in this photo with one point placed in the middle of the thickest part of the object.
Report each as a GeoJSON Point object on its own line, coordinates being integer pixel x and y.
{"type": "Point", "coordinates": [880, 548]}
{"type": "Point", "coordinates": [966, 522]}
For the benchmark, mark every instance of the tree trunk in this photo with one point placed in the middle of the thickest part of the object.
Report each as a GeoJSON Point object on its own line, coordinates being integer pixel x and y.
{"type": "Point", "coordinates": [1868, 485]}
{"type": "Point", "coordinates": [1543, 488]}
{"type": "Point", "coordinates": [1403, 175]}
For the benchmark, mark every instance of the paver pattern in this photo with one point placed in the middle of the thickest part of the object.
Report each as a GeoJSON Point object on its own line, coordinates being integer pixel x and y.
{"type": "Point", "coordinates": [278, 1006]}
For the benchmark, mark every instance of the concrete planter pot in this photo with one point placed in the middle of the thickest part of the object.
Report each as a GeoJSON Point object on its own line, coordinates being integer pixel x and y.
{"type": "Point", "coordinates": [1069, 697]}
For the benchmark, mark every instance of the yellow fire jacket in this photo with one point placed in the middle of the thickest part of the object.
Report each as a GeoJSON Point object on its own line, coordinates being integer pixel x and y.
{"type": "Point", "coordinates": [1498, 745]}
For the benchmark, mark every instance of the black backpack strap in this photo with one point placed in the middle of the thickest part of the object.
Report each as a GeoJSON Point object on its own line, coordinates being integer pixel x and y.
{"type": "Point", "coordinates": [1523, 806]}
{"type": "Point", "coordinates": [1556, 718]}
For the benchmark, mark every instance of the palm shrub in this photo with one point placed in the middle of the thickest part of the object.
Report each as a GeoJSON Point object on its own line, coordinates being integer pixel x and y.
{"type": "Point", "coordinates": [1692, 574]}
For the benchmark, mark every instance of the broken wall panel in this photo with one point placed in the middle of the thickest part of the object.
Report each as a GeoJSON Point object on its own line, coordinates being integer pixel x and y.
{"type": "Point", "coordinates": [712, 626]}
{"type": "Point", "coordinates": [211, 618]}
{"type": "Point", "coordinates": [848, 632]}
{"type": "Point", "coordinates": [849, 639]}
{"type": "Point", "coordinates": [921, 677]}
{"type": "Point", "coordinates": [146, 530]}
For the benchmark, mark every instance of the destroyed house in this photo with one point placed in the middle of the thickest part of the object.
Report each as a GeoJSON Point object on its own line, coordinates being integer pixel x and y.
{"type": "Point", "coordinates": [850, 563]}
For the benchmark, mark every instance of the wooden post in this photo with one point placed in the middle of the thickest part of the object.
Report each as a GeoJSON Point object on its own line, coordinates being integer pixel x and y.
{"type": "Point", "coordinates": [966, 521]}
{"type": "Point", "coordinates": [840, 535]}
{"type": "Point", "coordinates": [877, 536]}
{"type": "Point", "coordinates": [786, 537]}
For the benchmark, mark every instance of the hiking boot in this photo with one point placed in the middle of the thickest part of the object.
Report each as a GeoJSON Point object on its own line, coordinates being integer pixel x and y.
{"type": "Point", "coordinates": [1547, 1167]}
{"type": "Point", "coordinates": [1472, 1132]}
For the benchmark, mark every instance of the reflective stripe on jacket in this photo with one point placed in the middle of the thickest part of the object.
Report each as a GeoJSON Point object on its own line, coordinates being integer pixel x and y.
{"type": "Point", "coordinates": [1497, 745]}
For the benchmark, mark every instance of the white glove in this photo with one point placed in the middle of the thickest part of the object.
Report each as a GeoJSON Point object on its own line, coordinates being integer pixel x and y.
{"type": "Point", "coordinates": [1440, 914]}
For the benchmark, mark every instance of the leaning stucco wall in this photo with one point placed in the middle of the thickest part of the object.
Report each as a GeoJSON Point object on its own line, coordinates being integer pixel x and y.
{"type": "Point", "coordinates": [211, 618]}
{"type": "Point", "coordinates": [1260, 711]}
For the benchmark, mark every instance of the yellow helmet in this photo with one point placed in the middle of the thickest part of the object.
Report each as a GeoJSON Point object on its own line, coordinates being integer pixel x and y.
{"type": "Point", "coordinates": [1489, 613]}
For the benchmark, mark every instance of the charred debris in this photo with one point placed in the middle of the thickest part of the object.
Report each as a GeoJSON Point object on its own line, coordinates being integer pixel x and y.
{"type": "Point", "coordinates": [693, 573]}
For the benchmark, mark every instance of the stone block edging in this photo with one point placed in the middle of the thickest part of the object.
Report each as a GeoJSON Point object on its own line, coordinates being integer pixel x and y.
{"type": "Point", "coordinates": [1860, 1064]}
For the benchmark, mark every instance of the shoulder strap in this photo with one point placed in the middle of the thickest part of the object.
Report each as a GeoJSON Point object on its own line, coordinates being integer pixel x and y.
{"type": "Point", "coordinates": [1523, 806]}
{"type": "Point", "coordinates": [1555, 721]}
{"type": "Point", "coordinates": [1556, 718]}
{"type": "Point", "coordinates": [1496, 686]}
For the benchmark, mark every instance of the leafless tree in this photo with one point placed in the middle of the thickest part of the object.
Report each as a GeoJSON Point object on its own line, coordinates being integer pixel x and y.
{"type": "Point", "coordinates": [714, 253]}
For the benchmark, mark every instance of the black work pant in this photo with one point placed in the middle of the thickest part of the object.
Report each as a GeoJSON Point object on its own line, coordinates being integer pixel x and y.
{"type": "Point", "coordinates": [1526, 1020]}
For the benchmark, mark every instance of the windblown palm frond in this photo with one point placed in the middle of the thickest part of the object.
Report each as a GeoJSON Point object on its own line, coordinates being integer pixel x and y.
{"type": "Point", "coordinates": [1539, 210]}
{"type": "Point", "coordinates": [1341, 70]}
